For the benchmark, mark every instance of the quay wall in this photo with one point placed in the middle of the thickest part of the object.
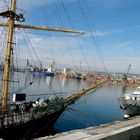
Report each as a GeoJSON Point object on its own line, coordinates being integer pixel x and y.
{"type": "Point", "coordinates": [127, 129]}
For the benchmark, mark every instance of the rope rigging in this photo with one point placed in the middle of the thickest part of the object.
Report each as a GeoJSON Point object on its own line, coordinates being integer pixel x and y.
{"type": "Point", "coordinates": [90, 24]}
{"type": "Point", "coordinates": [65, 40]}
{"type": "Point", "coordinates": [51, 88]}
{"type": "Point", "coordinates": [77, 40]}
{"type": "Point", "coordinates": [3, 45]}
{"type": "Point", "coordinates": [30, 46]}
{"type": "Point", "coordinates": [27, 38]}
{"type": "Point", "coordinates": [55, 7]}
{"type": "Point", "coordinates": [4, 4]}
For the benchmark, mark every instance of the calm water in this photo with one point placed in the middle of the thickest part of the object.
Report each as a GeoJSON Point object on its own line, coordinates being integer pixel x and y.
{"type": "Point", "coordinates": [97, 107]}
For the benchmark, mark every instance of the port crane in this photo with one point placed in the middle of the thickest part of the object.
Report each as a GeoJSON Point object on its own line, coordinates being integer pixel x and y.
{"type": "Point", "coordinates": [125, 75]}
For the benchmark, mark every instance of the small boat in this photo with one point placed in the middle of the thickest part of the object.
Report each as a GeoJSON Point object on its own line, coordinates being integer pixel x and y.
{"type": "Point", "coordinates": [130, 103]}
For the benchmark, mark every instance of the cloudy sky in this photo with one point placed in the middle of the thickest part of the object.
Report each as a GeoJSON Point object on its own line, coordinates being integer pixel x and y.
{"type": "Point", "coordinates": [111, 40]}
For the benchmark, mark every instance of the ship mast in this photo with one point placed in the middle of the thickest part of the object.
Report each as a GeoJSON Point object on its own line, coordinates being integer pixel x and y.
{"type": "Point", "coordinates": [13, 16]}
{"type": "Point", "coordinates": [8, 56]}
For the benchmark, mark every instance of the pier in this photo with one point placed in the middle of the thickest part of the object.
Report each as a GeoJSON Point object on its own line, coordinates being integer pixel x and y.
{"type": "Point", "coordinates": [127, 129]}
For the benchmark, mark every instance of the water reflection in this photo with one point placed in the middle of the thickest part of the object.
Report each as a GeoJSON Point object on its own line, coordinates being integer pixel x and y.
{"type": "Point", "coordinates": [49, 81]}
{"type": "Point", "coordinates": [124, 88]}
{"type": "Point", "coordinates": [48, 85]}
{"type": "Point", "coordinates": [97, 107]}
{"type": "Point", "coordinates": [65, 82]}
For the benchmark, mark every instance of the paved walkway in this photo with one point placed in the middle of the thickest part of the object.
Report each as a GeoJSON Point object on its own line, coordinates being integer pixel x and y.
{"type": "Point", "coordinates": [119, 130]}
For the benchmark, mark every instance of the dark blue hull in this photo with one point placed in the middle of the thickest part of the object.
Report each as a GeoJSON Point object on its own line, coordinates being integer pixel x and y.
{"type": "Point", "coordinates": [42, 73]}
{"type": "Point", "coordinates": [48, 74]}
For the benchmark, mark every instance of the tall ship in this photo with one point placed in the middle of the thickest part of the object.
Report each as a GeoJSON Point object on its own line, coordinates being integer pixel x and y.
{"type": "Point", "coordinates": [19, 118]}
{"type": "Point", "coordinates": [130, 103]}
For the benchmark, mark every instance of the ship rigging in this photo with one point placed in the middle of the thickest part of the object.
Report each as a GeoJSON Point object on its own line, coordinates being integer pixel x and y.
{"type": "Point", "coordinates": [21, 114]}
{"type": "Point", "coordinates": [13, 16]}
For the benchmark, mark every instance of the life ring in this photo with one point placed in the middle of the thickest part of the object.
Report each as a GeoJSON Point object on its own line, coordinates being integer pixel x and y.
{"type": "Point", "coordinates": [21, 107]}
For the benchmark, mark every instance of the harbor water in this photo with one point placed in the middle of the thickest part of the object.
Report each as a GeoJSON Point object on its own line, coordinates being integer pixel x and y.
{"type": "Point", "coordinates": [94, 108]}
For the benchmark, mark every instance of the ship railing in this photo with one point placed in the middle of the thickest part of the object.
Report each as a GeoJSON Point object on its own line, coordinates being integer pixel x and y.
{"type": "Point", "coordinates": [45, 96]}
{"type": "Point", "coordinates": [14, 119]}
{"type": "Point", "coordinates": [34, 97]}
{"type": "Point", "coordinates": [34, 113]}
{"type": "Point", "coordinates": [50, 108]}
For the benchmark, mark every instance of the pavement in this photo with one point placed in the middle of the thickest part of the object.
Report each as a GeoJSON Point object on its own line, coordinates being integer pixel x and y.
{"type": "Point", "coordinates": [127, 129]}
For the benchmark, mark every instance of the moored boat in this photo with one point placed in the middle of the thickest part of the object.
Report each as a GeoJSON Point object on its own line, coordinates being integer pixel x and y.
{"type": "Point", "coordinates": [41, 72]}
{"type": "Point", "coordinates": [130, 103]}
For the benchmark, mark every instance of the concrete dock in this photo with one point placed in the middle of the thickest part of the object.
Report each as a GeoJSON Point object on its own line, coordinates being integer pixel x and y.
{"type": "Point", "coordinates": [127, 129]}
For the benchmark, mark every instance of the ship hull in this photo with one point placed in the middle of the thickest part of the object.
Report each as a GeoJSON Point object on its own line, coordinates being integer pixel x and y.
{"type": "Point", "coordinates": [32, 129]}
{"type": "Point", "coordinates": [48, 74]}
{"type": "Point", "coordinates": [51, 74]}
{"type": "Point", "coordinates": [130, 107]}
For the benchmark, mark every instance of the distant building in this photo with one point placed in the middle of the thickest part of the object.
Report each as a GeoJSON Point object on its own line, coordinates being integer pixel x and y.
{"type": "Point", "coordinates": [50, 68]}
{"type": "Point", "coordinates": [66, 70]}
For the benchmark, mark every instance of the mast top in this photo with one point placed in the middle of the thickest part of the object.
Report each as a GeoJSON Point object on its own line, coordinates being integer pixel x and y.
{"type": "Point", "coordinates": [11, 12]}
